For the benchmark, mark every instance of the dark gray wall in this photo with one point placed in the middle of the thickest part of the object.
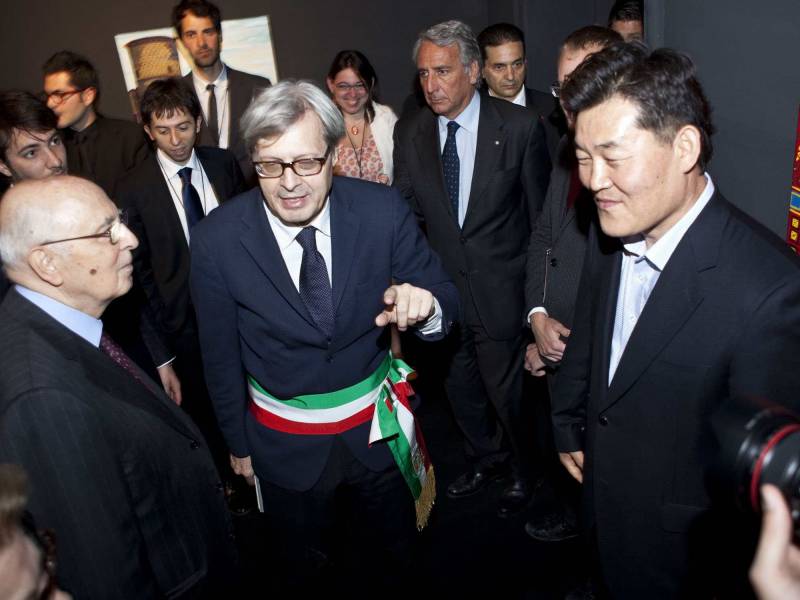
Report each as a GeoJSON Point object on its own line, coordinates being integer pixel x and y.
{"type": "Point", "coordinates": [746, 57]}
{"type": "Point", "coordinates": [307, 34]}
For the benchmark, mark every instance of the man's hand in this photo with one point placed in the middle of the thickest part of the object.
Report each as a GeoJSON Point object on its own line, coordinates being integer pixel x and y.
{"type": "Point", "coordinates": [244, 467]}
{"type": "Point", "coordinates": [171, 383]}
{"type": "Point", "coordinates": [775, 572]}
{"type": "Point", "coordinates": [573, 462]}
{"type": "Point", "coordinates": [406, 305]}
{"type": "Point", "coordinates": [548, 332]}
{"type": "Point", "coordinates": [533, 362]}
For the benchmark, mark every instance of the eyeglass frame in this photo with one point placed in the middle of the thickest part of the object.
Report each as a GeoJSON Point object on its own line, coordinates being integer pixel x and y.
{"type": "Point", "coordinates": [320, 161]}
{"type": "Point", "coordinates": [359, 87]}
{"type": "Point", "coordinates": [61, 96]}
{"type": "Point", "coordinates": [110, 233]}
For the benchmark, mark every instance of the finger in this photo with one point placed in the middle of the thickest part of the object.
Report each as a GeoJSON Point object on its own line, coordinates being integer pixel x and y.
{"type": "Point", "coordinates": [384, 318]}
{"type": "Point", "coordinates": [578, 458]}
{"type": "Point", "coordinates": [401, 309]}
{"type": "Point", "coordinates": [251, 480]}
{"type": "Point", "coordinates": [414, 307]}
{"type": "Point", "coordinates": [776, 529]}
{"type": "Point", "coordinates": [390, 295]}
{"type": "Point", "coordinates": [178, 396]}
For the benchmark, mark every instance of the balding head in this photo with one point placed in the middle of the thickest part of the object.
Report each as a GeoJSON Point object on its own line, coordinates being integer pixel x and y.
{"type": "Point", "coordinates": [39, 218]}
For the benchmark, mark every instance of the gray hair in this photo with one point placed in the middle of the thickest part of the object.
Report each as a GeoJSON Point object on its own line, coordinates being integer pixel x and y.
{"type": "Point", "coordinates": [277, 108]}
{"type": "Point", "coordinates": [447, 34]}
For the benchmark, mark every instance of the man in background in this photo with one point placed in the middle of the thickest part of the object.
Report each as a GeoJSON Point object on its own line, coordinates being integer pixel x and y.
{"type": "Point", "coordinates": [626, 17]}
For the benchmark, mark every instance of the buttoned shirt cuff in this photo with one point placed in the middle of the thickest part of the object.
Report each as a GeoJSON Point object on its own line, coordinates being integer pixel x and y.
{"type": "Point", "coordinates": [432, 324]}
{"type": "Point", "coordinates": [538, 309]}
{"type": "Point", "coordinates": [169, 362]}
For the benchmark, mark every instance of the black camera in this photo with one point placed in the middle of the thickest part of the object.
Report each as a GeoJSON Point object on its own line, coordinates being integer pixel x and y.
{"type": "Point", "coordinates": [760, 443]}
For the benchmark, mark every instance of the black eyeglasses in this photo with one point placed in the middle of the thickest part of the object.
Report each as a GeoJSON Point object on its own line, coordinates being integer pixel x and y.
{"type": "Point", "coordinates": [555, 89]}
{"type": "Point", "coordinates": [113, 233]}
{"type": "Point", "coordinates": [59, 97]}
{"type": "Point", "coordinates": [304, 167]}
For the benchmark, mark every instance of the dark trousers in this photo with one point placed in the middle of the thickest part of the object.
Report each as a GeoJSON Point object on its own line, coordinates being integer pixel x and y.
{"type": "Point", "coordinates": [354, 525]}
{"type": "Point", "coordinates": [484, 383]}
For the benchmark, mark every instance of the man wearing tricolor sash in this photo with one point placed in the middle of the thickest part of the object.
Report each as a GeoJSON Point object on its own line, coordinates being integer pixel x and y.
{"type": "Point", "coordinates": [294, 283]}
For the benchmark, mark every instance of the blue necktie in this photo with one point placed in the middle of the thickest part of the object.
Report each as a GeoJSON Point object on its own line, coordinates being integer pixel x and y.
{"type": "Point", "coordinates": [451, 166]}
{"type": "Point", "coordinates": [190, 198]}
{"type": "Point", "coordinates": [315, 288]}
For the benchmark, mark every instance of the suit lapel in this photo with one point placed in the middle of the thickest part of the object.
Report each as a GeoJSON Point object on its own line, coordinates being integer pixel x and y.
{"type": "Point", "coordinates": [674, 299]}
{"type": "Point", "coordinates": [489, 148]}
{"type": "Point", "coordinates": [216, 176]}
{"type": "Point", "coordinates": [260, 243]}
{"type": "Point", "coordinates": [344, 239]}
{"type": "Point", "coordinates": [161, 203]}
{"type": "Point", "coordinates": [426, 142]}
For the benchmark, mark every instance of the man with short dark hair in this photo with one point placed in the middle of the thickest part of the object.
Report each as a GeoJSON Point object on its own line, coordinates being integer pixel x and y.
{"type": "Point", "coordinates": [99, 148]}
{"type": "Point", "coordinates": [687, 302]}
{"type": "Point", "coordinates": [475, 171]}
{"type": "Point", "coordinates": [117, 470]}
{"type": "Point", "coordinates": [626, 17]}
{"type": "Point", "coordinates": [166, 196]}
{"type": "Point", "coordinates": [224, 92]}
{"type": "Point", "coordinates": [555, 262]}
{"type": "Point", "coordinates": [504, 68]}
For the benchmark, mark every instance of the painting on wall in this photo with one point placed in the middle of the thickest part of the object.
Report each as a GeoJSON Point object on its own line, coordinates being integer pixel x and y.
{"type": "Point", "coordinates": [157, 53]}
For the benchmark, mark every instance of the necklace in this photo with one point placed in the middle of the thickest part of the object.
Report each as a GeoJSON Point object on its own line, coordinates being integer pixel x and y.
{"type": "Point", "coordinates": [359, 152]}
{"type": "Point", "coordinates": [354, 130]}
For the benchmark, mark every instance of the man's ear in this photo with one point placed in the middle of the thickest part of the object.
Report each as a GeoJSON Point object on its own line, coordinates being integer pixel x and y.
{"type": "Point", "coordinates": [88, 96]}
{"type": "Point", "coordinates": [4, 169]}
{"type": "Point", "coordinates": [197, 124]}
{"type": "Point", "coordinates": [149, 133]}
{"type": "Point", "coordinates": [474, 72]}
{"type": "Point", "coordinates": [43, 263]}
{"type": "Point", "coordinates": [687, 146]}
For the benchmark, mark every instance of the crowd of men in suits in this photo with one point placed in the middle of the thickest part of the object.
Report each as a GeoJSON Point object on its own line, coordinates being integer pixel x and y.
{"type": "Point", "coordinates": [200, 303]}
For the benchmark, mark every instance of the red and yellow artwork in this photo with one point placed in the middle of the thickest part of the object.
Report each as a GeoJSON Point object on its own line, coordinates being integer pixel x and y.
{"type": "Point", "coordinates": [793, 225]}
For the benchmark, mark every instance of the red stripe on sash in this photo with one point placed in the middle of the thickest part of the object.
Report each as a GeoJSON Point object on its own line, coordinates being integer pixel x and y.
{"type": "Point", "coordinates": [268, 419]}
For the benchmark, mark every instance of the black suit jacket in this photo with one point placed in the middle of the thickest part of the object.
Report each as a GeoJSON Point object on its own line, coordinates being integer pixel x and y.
{"type": "Point", "coordinates": [547, 107]}
{"type": "Point", "coordinates": [252, 319]}
{"type": "Point", "coordinates": [722, 321]}
{"type": "Point", "coordinates": [117, 471]}
{"type": "Point", "coordinates": [558, 242]}
{"type": "Point", "coordinates": [162, 258]}
{"type": "Point", "coordinates": [242, 87]}
{"type": "Point", "coordinates": [486, 258]}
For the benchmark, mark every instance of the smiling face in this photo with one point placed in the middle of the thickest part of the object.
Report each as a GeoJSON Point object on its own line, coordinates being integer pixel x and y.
{"type": "Point", "coordinates": [447, 85]}
{"type": "Point", "coordinates": [641, 184]}
{"type": "Point", "coordinates": [296, 200]}
{"type": "Point", "coordinates": [504, 69]}
{"type": "Point", "coordinates": [34, 155]}
{"type": "Point", "coordinates": [349, 91]}
{"type": "Point", "coordinates": [174, 134]}
{"type": "Point", "coordinates": [201, 39]}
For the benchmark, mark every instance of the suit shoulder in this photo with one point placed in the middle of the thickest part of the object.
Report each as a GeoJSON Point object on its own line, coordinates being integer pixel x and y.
{"type": "Point", "coordinates": [226, 213]}
{"type": "Point", "coordinates": [256, 81]}
{"type": "Point", "coordinates": [410, 122]}
{"type": "Point", "coordinates": [217, 155]}
{"type": "Point", "coordinates": [746, 237]}
{"type": "Point", "coordinates": [138, 178]}
{"type": "Point", "coordinates": [123, 127]}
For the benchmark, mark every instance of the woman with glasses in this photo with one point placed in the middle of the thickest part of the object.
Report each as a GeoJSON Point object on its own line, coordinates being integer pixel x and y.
{"type": "Point", "coordinates": [365, 152]}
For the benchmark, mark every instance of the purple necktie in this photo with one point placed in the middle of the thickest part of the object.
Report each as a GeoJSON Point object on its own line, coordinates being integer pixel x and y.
{"type": "Point", "coordinates": [116, 354]}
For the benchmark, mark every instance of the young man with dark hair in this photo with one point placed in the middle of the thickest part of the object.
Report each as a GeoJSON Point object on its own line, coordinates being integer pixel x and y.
{"type": "Point", "coordinates": [224, 92]}
{"type": "Point", "coordinates": [504, 68]}
{"type": "Point", "coordinates": [688, 303]}
{"type": "Point", "coordinates": [99, 148]}
{"type": "Point", "coordinates": [626, 17]}
{"type": "Point", "coordinates": [165, 196]}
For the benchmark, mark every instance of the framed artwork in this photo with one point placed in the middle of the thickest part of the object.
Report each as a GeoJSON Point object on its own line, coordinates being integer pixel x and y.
{"type": "Point", "coordinates": [157, 53]}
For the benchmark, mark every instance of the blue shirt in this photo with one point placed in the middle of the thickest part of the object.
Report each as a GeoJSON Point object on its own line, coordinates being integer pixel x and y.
{"type": "Point", "coordinates": [76, 321]}
{"type": "Point", "coordinates": [466, 143]}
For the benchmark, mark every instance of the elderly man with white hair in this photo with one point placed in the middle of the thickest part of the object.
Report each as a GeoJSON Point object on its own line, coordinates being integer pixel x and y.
{"type": "Point", "coordinates": [117, 470]}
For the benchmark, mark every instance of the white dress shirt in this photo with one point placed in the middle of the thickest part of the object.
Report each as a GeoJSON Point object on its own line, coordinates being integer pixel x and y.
{"type": "Point", "coordinates": [292, 253]}
{"type": "Point", "coordinates": [223, 102]}
{"type": "Point", "coordinates": [640, 270]}
{"type": "Point", "coordinates": [466, 145]}
{"type": "Point", "coordinates": [200, 181]}
{"type": "Point", "coordinates": [520, 99]}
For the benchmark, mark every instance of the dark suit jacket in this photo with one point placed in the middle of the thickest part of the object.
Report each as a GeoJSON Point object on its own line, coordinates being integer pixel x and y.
{"type": "Point", "coordinates": [512, 167]}
{"type": "Point", "coordinates": [162, 258]}
{"type": "Point", "coordinates": [558, 242]}
{"type": "Point", "coordinates": [117, 471]}
{"type": "Point", "coordinates": [242, 87]}
{"type": "Point", "coordinates": [722, 321]}
{"type": "Point", "coordinates": [546, 105]}
{"type": "Point", "coordinates": [105, 151]}
{"type": "Point", "coordinates": [252, 319]}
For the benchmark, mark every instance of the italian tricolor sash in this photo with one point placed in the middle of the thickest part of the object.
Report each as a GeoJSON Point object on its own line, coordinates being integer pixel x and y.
{"type": "Point", "coordinates": [382, 397]}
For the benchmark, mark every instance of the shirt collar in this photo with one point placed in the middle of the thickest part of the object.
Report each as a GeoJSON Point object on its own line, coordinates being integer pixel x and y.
{"type": "Point", "coordinates": [659, 253]}
{"type": "Point", "coordinates": [285, 234]}
{"type": "Point", "coordinates": [220, 82]}
{"type": "Point", "coordinates": [170, 167]}
{"type": "Point", "coordinates": [86, 326]}
{"type": "Point", "coordinates": [468, 118]}
{"type": "Point", "coordinates": [519, 99]}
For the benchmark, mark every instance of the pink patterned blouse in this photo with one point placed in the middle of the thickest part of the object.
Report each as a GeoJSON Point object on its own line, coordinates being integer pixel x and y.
{"type": "Point", "coordinates": [347, 160]}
